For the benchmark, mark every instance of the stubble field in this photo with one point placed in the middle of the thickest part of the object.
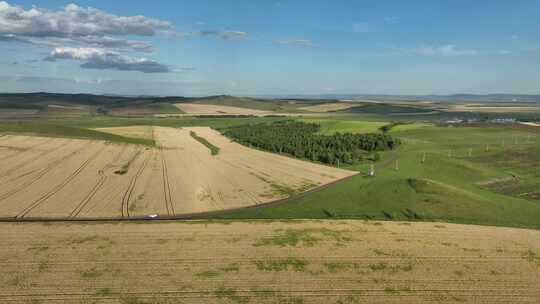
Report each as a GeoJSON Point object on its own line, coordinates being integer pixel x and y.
{"type": "Point", "coordinates": [268, 262]}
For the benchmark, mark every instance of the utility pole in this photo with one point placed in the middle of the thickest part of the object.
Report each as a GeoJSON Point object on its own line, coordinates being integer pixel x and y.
{"type": "Point", "coordinates": [487, 147]}
{"type": "Point", "coordinates": [423, 157]}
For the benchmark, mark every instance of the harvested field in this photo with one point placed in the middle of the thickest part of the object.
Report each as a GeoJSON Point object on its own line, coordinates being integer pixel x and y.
{"type": "Point", "coordinates": [328, 107]}
{"type": "Point", "coordinates": [206, 109]}
{"type": "Point", "coordinates": [268, 262]}
{"type": "Point", "coordinates": [65, 178]}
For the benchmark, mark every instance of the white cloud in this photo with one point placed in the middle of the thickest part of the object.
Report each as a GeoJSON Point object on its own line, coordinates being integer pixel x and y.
{"type": "Point", "coordinates": [103, 59]}
{"type": "Point", "coordinates": [74, 21]}
{"type": "Point", "coordinates": [225, 34]}
{"type": "Point", "coordinates": [114, 43]}
{"type": "Point", "coordinates": [443, 50]}
{"type": "Point", "coordinates": [84, 33]}
{"type": "Point", "coordinates": [297, 42]}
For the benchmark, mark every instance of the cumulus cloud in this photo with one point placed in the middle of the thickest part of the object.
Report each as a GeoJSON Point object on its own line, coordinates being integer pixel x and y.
{"type": "Point", "coordinates": [113, 43]}
{"type": "Point", "coordinates": [103, 59]}
{"type": "Point", "coordinates": [443, 50]}
{"type": "Point", "coordinates": [14, 38]}
{"type": "Point", "coordinates": [86, 34]}
{"type": "Point", "coordinates": [74, 21]}
{"type": "Point", "coordinates": [297, 42]}
{"type": "Point", "coordinates": [227, 35]}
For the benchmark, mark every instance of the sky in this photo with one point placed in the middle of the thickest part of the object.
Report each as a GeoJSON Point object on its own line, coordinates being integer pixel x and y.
{"type": "Point", "coordinates": [284, 47]}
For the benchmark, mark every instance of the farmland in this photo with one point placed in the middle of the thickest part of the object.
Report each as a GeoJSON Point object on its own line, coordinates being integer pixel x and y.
{"type": "Point", "coordinates": [104, 185]}
{"type": "Point", "coordinates": [66, 178]}
{"type": "Point", "coordinates": [267, 262]}
{"type": "Point", "coordinates": [457, 182]}
{"type": "Point", "coordinates": [204, 109]}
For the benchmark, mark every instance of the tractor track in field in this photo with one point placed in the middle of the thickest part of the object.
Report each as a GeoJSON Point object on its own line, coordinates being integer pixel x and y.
{"type": "Point", "coordinates": [59, 187]}
{"type": "Point", "coordinates": [30, 161]}
{"type": "Point", "coordinates": [41, 173]}
{"type": "Point", "coordinates": [127, 195]}
{"type": "Point", "coordinates": [90, 195]}
{"type": "Point", "coordinates": [169, 204]}
{"type": "Point", "coordinates": [101, 181]}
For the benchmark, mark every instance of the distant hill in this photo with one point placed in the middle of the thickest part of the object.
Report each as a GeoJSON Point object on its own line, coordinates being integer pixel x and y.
{"type": "Point", "coordinates": [82, 99]}
{"type": "Point", "coordinates": [147, 104]}
{"type": "Point", "coordinates": [439, 98]}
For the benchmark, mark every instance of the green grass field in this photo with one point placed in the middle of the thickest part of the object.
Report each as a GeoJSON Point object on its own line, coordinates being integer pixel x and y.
{"type": "Point", "coordinates": [448, 186]}
{"type": "Point", "coordinates": [484, 174]}
{"type": "Point", "coordinates": [54, 130]}
{"type": "Point", "coordinates": [382, 108]}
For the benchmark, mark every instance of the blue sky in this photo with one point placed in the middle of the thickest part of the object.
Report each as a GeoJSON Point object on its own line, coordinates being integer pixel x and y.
{"type": "Point", "coordinates": [270, 47]}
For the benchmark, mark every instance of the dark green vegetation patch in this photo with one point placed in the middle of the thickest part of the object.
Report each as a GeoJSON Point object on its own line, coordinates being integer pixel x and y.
{"type": "Point", "coordinates": [213, 149]}
{"type": "Point", "coordinates": [303, 141]}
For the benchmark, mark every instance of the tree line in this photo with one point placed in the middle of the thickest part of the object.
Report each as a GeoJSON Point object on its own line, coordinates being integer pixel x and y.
{"type": "Point", "coordinates": [302, 140]}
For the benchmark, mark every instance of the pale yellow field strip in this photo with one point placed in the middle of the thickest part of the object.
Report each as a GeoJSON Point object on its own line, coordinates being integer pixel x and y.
{"type": "Point", "coordinates": [67, 178]}
{"type": "Point", "coordinates": [329, 107]}
{"type": "Point", "coordinates": [532, 124]}
{"type": "Point", "coordinates": [205, 109]}
{"type": "Point", "coordinates": [146, 132]}
{"type": "Point", "coordinates": [236, 177]}
{"type": "Point", "coordinates": [487, 109]}
{"type": "Point", "coordinates": [268, 262]}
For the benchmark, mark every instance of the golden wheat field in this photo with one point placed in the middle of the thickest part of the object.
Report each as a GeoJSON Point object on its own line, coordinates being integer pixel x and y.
{"type": "Point", "coordinates": [74, 178]}
{"type": "Point", "coordinates": [268, 262]}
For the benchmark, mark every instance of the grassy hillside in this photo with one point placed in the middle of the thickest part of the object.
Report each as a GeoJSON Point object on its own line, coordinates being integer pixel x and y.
{"type": "Point", "coordinates": [381, 108]}
{"type": "Point", "coordinates": [46, 129]}
{"type": "Point", "coordinates": [144, 109]}
{"type": "Point", "coordinates": [448, 186]}
{"type": "Point", "coordinates": [252, 103]}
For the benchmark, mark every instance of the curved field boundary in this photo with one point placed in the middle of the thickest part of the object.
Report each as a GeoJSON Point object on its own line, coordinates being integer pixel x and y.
{"type": "Point", "coordinates": [188, 216]}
